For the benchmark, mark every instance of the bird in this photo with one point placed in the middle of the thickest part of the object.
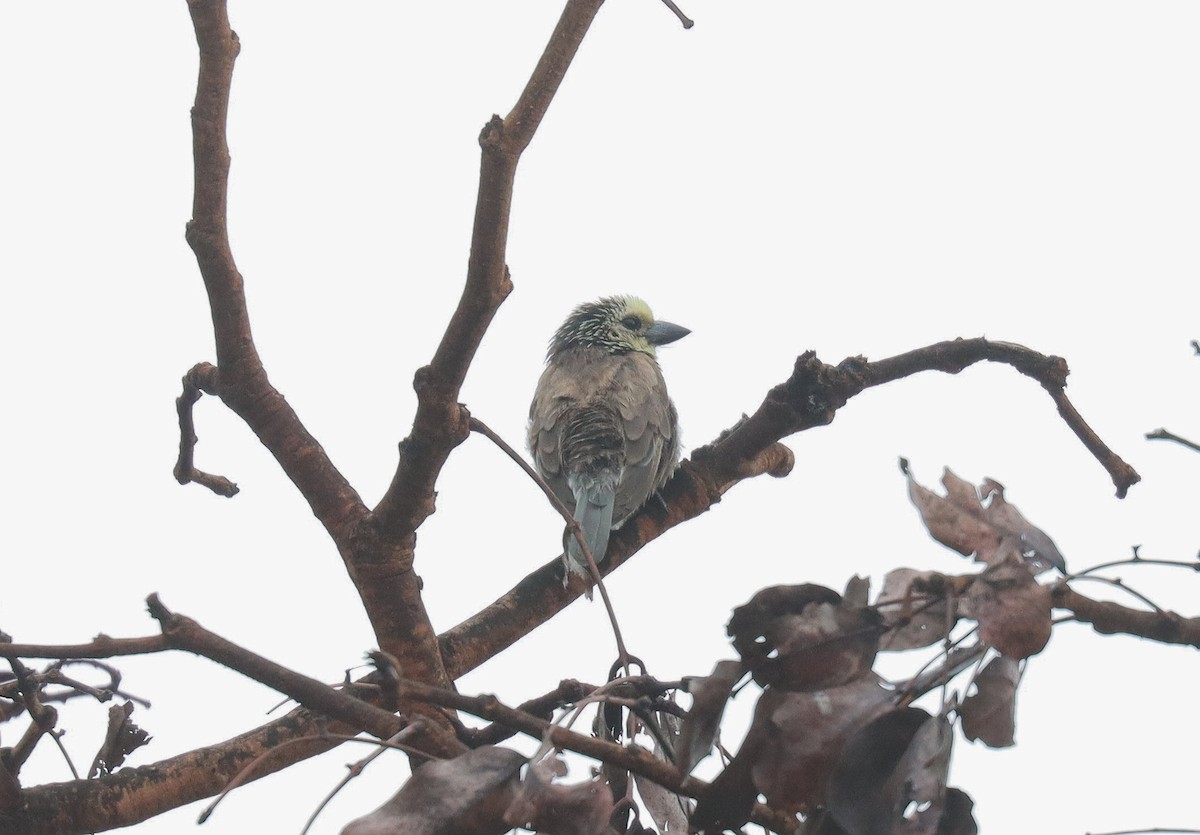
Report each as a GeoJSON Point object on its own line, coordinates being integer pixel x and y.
{"type": "Point", "coordinates": [602, 431]}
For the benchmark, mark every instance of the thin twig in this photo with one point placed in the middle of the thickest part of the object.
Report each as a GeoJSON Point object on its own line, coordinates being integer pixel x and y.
{"type": "Point", "coordinates": [1116, 583]}
{"type": "Point", "coordinates": [687, 22]}
{"type": "Point", "coordinates": [245, 773]}
{"type": "Point", "coordinates": [100, 647]}
{"type": "Point", "coordinates": [482, 428]}
{"type": "Point", "coordinates": [1164, 435]}
{"type": "Point", "coordinates": [1135, 560]}
{"type": "Point", "coordinates": [1144, 831]}
{"type": "Point", "coordinates": [200, 378]}
{"type": "Point", "coordinates": [355, 769]}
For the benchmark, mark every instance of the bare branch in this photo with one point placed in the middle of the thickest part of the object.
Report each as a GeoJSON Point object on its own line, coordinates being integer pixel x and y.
{"type": "Point", "coordinates": [629, 757]}
{"type": "Point", "coordinates": [133, 795]}
{"type": "Point", "coordinates": [1113, 619]}
{"type": "Point", "coordinates": [44, 719]}
{"type": "Point", "coordinates": [572, 525]}
{"type": "Point", "coordinates": [815, 391]}
{"type": "Point", "coordinates": [441, 422]}
{"type": "Point", "coordinates": [568, 692]}
{"type": "Point", "coordinates": [810, 397]}
{"type": "Point", "coordinates": [382, 552]}
{"type": "Point", "coordinates": [200, 379]}
{"type": "Point", "coordinates": [239, 378]}
{"type": "Point", "coordinates": [101, 647]}
{"type": "Point", "coordinates": [1164, 435]}
{"type": "Point", "coordinates": [184, 633]}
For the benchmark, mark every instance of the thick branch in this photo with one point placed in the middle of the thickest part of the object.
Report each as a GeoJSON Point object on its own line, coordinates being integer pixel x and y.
{"type": "Point", "coordinates": [1110, 618]}
{"type": "Point", "coordinates": [382, 553]}
{"type": "Point", "coordinates": [810, 397]}
{"type": "Point", "coordinates": [241, 381]}
{"type": "Point", "coordinates": [441, 422]}
{"type": "Point", "coordinates": [184, 633]}
{"type": "Point", "coordinates": [133, 795]}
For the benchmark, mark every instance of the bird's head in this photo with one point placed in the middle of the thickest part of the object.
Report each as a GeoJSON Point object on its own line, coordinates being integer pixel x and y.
{"type": "Point", "coordinates": [617, 324]}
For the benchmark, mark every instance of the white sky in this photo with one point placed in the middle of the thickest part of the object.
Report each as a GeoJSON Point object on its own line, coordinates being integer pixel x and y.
{"type": "Point", "coordinates": [854, 177]}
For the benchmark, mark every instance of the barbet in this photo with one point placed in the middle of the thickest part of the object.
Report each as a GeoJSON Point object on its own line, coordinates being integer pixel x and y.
{"type": "Point", "coordinates": [602, 430]}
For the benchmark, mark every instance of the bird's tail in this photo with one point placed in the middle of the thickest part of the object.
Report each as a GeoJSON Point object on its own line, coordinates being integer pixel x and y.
{"type": "Point", "coordinates": [594, 513]}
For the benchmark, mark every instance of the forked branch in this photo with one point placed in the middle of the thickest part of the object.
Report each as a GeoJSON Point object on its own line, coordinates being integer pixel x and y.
{"type": "Point", "coordinates": [441, 422]}
{"type": "Point", "coordinates": [239, 378]}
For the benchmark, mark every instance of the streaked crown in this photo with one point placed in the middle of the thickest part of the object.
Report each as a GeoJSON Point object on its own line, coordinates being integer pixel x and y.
{"type": "Point", "coordinates": [616, 324]}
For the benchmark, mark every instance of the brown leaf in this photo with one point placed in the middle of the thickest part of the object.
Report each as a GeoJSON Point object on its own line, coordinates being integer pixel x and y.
{"type": "Point", "coordinates": [558, 809]}
{"type": "Point", "coordinates": [960, 520]}
{"type": "Point", "coordinates": [957, 818]}
{"type": "Point", "coordinates": [467, 795]}
{"type": "Point", "coordinates": [900, 758]}
{"type": "Point", "coordinates": [709, 696]}
{"type": "Point", "coordinates": [120, 740]}
{"type": "Point", "coordinates": [803, 734]}
{"type": "Point", "coordinates": [729, 799]}
{"type": "Point", "coordinates": [989, 714]}
{"type": "Point", "coordinates": [825, 646]}
{"type": "Point", "coordinates": [749, 623]}
{"type": "Point", "coordinates": [919, 618]}
{"type": "Point", "coordinates": [803, 638]}
{"type": "Point", "coordinates": [1013, 610]}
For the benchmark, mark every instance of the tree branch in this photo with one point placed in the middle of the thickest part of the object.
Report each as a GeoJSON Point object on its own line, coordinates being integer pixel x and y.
{"type": "Point", "coordinates": [1164, 435]}
{"type": "Point", "coordinates": [441, 423]}
{"type": "Point", "coordinates": [239, 378]}
{"type": "Point", "coordinates": [133, 795]}
{"type": "Point", "coordinates": [199, 380]}
{"type": "Point", "coordinates": [100, 647]}
{"type": "Point", "coordinates": [382, 552]}
{"type": "Point", "coordinates": [1110, 618]}
{"type": "Point", "coordinates": [184, 633]}
{"type": "Point", "coordinates": [810, 397]}
{"type": "Point", "coordinates": [629, 757]}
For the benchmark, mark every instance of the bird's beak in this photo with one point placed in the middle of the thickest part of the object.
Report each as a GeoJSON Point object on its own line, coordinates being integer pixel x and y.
{"type": "Point", "coordinates": [662, 333]}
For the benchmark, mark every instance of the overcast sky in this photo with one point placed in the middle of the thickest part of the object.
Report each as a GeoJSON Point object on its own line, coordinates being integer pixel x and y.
{"type": "Point", "coordinates": [853, 178]}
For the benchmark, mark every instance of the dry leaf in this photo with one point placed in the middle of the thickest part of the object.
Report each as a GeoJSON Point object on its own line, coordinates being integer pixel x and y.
{"type": "Point", "coordinates": [960, 520]}
{"type": "Point", "coordinates": [893, 765]}
{"type": "Point", "coordinates": [957, 818]}
{"type": "Point", "coordinates": [1013, 610]}
{"type": "Point", "coordinates": [803, 638]}
{"type": "Point", "coordinates": [803, 734]}
{"type": "Point", "coordinates": [668, 810]}
{"type": "Point", "coordinates": [917, 619]}
{"type": "Point", "coordinates": [990, 714]}
{"type": "Point", "coordinates": [749, 623]}
{"type": "Point", "coordinates": [120, 740]}
{"type": "Point", "coordinates": [709, 696]}
{"type": "Point", "coordinates": [560, 809]}
{"type": "Point", "coordinates": [467, 795]}
{"type": "Point", "coordinates": [825, 646]}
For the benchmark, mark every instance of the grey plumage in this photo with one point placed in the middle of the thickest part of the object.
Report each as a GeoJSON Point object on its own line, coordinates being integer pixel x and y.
{"type": "Point", "coordinates": [602, 430]}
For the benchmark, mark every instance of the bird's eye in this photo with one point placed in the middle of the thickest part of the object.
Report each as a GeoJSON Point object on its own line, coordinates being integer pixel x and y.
{"type": "Point", "coordinates": [632, 322]}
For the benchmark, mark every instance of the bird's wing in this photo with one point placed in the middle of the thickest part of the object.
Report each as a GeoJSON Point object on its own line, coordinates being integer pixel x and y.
{"type": "Point", "coordinates": [648, 422]}
{"type": "Point", "coordinates": [551, 401]}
